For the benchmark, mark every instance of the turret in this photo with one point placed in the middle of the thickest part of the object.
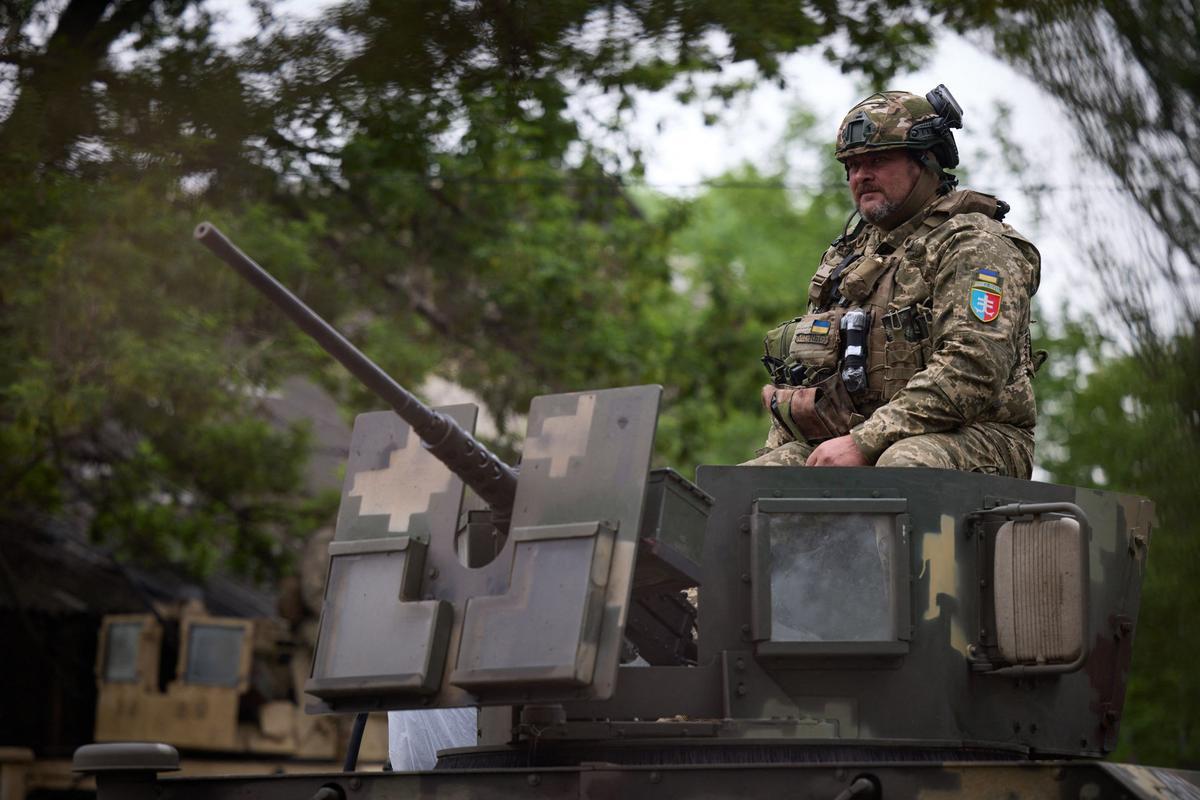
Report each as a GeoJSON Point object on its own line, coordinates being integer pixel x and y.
{"type": "Point", "coordinates": [429, 602]}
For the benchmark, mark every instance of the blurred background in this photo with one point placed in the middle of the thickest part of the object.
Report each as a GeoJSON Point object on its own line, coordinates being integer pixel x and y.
{"type": "Point", "coordinates": [499, 199]}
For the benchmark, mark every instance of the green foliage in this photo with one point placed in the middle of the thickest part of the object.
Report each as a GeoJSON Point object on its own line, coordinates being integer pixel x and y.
{"type": "Point", "coordinates": [125, 393]}
{"type": "Point", "coordinates": [412, 172]}
{"type": "Point", "coordinates": [1125, 416]}
{"type": "Point", "coordinates": [742, 264]}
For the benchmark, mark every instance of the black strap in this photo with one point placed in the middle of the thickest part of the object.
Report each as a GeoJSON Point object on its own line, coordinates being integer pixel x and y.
{"type": "Point", "coordinates": [848, 235]}
{"type": "Point", "coordinates": [835, 292]}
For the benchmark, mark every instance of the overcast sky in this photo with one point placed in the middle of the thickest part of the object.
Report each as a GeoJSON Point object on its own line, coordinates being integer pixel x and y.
{"type": "Point", "coordinates": [681, 151]}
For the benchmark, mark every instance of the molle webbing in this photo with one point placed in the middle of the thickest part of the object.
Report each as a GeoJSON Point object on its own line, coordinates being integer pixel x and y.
{"type": "Point", "coordinates": [963, 202]}
{"type": "Point", "coordinates": [821, 290]}
{"type": "Point", "coordinates": [825, 288]}
{"type": "Point", "coordinates": [859, 282]}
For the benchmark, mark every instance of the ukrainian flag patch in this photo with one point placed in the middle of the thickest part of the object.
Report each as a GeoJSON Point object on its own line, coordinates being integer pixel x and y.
{"type": "Point", "coordinates": [988, 276]}
{"type": "Point", "coordinates": [820, 326]}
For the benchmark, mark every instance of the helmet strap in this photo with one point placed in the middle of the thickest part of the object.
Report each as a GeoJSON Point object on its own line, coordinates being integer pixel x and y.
{"type": "Point", "coordinates": [848, 234]}
{"type": "Point", "coordinates": [928, 160]}
{"type": "Point", "coordinates": [928, 183]}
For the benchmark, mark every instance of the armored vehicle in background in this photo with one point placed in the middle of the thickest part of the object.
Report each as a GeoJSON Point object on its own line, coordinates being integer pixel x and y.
{"type": "Point", "coordinates": [858, 633]}
{"type": "Point", "coordinates": [226, 687]}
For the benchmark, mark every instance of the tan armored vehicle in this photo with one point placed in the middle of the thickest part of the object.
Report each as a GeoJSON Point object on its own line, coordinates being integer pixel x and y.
{"type": "Point", "coordinates": [206, 705]}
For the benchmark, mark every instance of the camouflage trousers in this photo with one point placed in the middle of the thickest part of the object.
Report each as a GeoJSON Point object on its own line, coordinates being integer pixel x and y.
{"type": "Point", "coordinates": [983, 447]}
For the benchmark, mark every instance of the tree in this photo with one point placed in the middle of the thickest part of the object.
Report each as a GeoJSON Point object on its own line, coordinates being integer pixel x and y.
{"type": "Point", "coordinates": [1129, 77]}
{"type": "Point", "coordinates": [742, 262]}
{"type": "Point", "coordinates": [412, 170]}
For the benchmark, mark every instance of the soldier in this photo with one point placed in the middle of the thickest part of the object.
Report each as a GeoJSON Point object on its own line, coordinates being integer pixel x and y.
{"type": "Point", "coordinates": [915, 350]}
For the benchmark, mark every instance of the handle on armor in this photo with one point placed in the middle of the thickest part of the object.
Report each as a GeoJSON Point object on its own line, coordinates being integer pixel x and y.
{"type": "Point", "coordinates": [479, 468]}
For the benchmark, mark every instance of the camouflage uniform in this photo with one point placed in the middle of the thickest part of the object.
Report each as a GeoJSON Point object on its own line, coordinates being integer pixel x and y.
{"type": "Point", "coordinates": [949, 365]}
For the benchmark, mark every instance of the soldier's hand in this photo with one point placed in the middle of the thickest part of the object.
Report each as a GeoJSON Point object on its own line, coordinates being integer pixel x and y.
{"type": "Point", "coordinates": [839, 452]}
{"type": "Point", "coordinates": [778, 401]}
{"type": "Point", "coordinates": [768, 391]}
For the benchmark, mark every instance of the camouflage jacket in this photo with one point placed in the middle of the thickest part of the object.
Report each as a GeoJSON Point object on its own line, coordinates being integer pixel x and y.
{"type": "Point", "coordinates": [948, 294]}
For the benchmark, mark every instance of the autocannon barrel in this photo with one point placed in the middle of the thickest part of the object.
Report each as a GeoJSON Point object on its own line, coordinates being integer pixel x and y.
{"type": "Point", "coordinates": [479, 468]}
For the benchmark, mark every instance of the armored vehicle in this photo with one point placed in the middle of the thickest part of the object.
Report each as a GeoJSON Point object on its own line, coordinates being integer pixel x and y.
{"type": "Point", "coordinates": [771, 632]}
{"type": "Point", "coordinates": [218, 685]}
{"type": "Point", "coordinates": [221, 682]}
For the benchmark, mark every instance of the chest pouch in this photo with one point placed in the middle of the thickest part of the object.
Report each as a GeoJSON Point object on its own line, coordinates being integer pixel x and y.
{"type": "Point", "coordinates": [777, 346]}
{"type": "Point", "coordinates": [816, 343]}
{"type": "Point", "coordinates": [859, 280]}
{"type": "Point", "coordinates": [803, 350]}
{"type": "Point", "coordinates": [907, 346]}
{"type": "Point", "coordinates": [910, 324]}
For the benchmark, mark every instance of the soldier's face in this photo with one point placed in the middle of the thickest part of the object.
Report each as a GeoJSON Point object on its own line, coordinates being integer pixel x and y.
{"type": "Point", "coordinates": [880, 182]}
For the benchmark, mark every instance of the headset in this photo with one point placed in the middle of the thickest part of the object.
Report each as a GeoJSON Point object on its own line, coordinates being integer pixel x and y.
{"type": "Point", "coordinates": [934, 134]}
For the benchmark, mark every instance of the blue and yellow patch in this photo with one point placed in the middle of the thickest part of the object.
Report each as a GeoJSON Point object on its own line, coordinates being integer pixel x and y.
{"type": "Point", "coordinates": [988, 276]}
{"type": "Point", "coordinates": [820, 326]}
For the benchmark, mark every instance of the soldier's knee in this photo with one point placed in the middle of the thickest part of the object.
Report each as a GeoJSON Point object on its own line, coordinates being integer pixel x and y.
{"type": "Point", "coordinates": [792, 454]}
{"type": "Point", "coordinates": [916, 452]}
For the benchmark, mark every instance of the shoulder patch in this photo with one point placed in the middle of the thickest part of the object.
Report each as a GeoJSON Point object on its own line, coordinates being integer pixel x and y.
{"type": "Point", "coordinates": [985, 301]}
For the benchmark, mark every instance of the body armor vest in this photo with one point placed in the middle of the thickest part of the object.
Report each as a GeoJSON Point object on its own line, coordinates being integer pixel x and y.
{"type": "Point", "coordinates": [885, 275]}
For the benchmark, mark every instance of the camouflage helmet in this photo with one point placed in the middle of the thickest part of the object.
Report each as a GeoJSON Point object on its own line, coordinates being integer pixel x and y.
{"type": "Point", "coordinates": [900, 120]}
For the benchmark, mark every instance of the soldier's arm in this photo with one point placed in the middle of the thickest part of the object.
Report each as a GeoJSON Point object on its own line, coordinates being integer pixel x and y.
{"type": "Point", "coordinates": [777, 435]}
{"type": "Point", "coordinates": [972, 356]}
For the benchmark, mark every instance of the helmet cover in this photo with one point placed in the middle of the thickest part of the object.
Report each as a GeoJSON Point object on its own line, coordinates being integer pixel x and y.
{"type": "Point", "coordinates": [886, 121]}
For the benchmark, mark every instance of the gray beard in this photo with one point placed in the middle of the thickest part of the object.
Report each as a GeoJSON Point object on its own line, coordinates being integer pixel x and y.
{"type": "Point", "coordinates": [880, 212]}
